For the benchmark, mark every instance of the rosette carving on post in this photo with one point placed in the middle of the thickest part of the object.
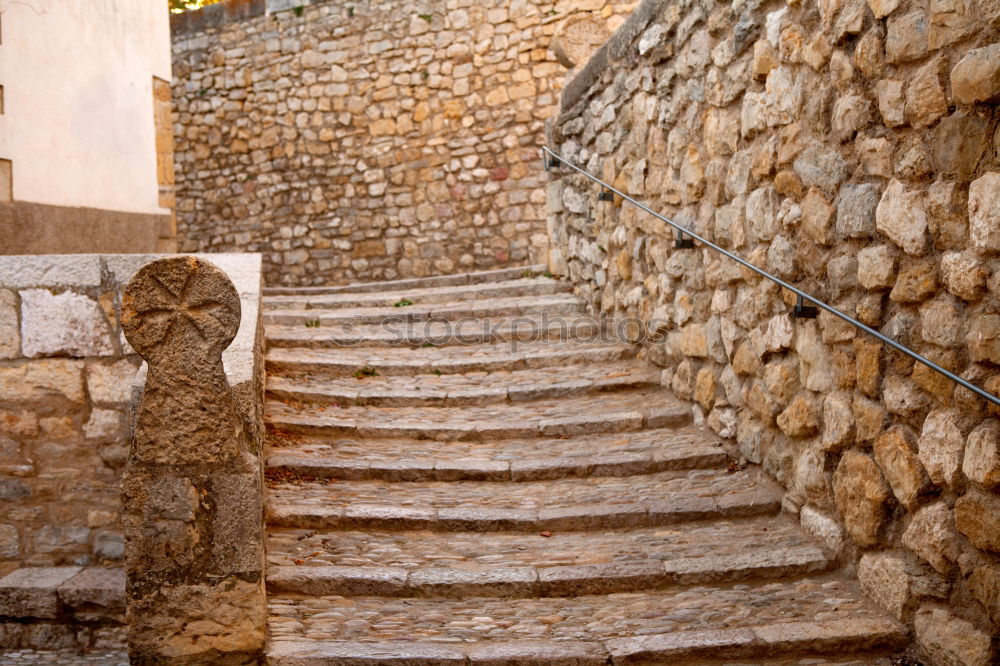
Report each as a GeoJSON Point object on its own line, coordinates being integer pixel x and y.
{"type": "Point", "coordinates": [191, 491]}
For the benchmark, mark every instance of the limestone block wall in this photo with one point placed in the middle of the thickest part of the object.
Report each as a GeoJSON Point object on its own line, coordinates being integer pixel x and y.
{"type": "Point", "coordinates": [353, 141]}
{"type": "Point", "coordinates": [851, 148]}
{"type": "Point", "coordinates": [68, 381]}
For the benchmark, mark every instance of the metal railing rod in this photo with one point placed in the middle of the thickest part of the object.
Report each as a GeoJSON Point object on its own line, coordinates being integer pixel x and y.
{"type": "Point", "coordinates": [760, 271]}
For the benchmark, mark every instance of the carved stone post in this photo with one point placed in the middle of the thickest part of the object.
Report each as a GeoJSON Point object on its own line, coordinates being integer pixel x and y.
{"type": "Point", "coordinates": [191, 492]}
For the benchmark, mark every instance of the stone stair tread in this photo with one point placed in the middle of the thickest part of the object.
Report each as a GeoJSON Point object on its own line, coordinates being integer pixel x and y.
{"type": "Point", "coordinates": [497, 275]}
{"type": "Point", "coordinates": [819, 613]}
{"type": "Point", "coordinates": [562, 504]}
{"type": "Point", "coordinates": [440, 294]}
{"type": "Point", "coordinates": [406, 361]}
{"type": "Point", "coordinates": [547, 581]}
{"type": "Point", "coordinates": [502, 460]}
{"type": "Point", "coordinates": [557, 304]}
{"type": "Point", "coordinates": [522, 328]}
{"type": "Point", "coordinates": [568, 416]}
{"type": "Point", "coordinates": [306, 548]}
{"type": "Point", "coordinates": [467, 388]}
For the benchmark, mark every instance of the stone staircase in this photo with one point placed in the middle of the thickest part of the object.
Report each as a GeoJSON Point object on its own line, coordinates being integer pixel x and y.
{"type": "Point", "coordinates": [485, 480]}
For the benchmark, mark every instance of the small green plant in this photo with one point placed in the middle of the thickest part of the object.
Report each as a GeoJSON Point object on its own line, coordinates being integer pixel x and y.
{"type": "Point", "coordinates": [367, 371]}
{"type": "Point", "coordinates": [202, 92]}
{"type": "Point", "coordinates": [350, 11]}
{"type": "Point", "coordinates": [426, 17]}
{"type": "Point", "coordinates": [528, 273]}
{"type": "Point", "coordinates": [298, 10]}
{"type": "Point", "coordinates": [425, 345]}
{"type": "Point", "coordinates": [548, 275]}
{"type": "Point", "coordinates": [601, 248]}
{"type": "Point", "coordinates": [312, 323]}
{"type": "Point", "coordinates": [426, 73]}
{"type": "Point", "coordinates": [402, 303]}
{"type": "Point", "coordinates": [438, 373]}
{"type": "Point", "coordinates": [552, 12]}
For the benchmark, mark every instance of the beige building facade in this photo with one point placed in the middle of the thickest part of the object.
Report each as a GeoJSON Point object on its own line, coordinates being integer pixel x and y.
{"type": "Point", "coordinates": [86, 146]}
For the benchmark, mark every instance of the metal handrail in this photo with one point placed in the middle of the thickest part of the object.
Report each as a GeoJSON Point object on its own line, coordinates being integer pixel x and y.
{"type": "Point", "coordinates": [557, 159]}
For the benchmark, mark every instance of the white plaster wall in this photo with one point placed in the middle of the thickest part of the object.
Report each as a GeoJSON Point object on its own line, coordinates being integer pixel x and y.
{"type": "Point", "coordinates": [78, 100]}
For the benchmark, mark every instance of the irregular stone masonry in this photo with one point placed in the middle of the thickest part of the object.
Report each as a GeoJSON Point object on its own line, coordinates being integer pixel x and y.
{"type": "Point", "coordinates": [852, 148]}
{"type": "Point", "coordinates": [565, 517]}
{"type": "Point", "coordinates": [366, 140]}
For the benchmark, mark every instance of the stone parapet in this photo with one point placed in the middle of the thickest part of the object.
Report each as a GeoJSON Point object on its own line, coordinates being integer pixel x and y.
{"type": "Point", "coordinates": [850, 148]}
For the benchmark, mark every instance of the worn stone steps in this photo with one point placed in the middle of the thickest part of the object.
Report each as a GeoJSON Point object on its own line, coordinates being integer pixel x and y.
{"type": "Point", "coordinates": [511, 485]}
{"type": "Point", "coordinates": [405, 361]}
{"type": "Point", "coordinates": [768, 619]}
{"type": "Point", "coordinates": [66, 607]}
{"type": "Point", "coordinates": [626, 454]}
{"type": "Point", "coordinates": [649, 500]}
{"type": "Point", "coordinates": [553, 581]}
{"type": "Point", "coordinates": [566, 417]}
{"type": "Point", "coordinates": [539, 286]}
{"type": "Point", "coordinates": [478, 388]}
{"type": "Point", "coordinates": [498, 275]}
{"type": "Point", "coordinates": [554, 305]}
{"type": "Point", "coordinates": [498, 330]}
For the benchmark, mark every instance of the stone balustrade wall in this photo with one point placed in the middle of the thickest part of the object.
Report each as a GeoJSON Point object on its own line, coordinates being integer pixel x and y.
{"type": "Point", "coordinates": [67, 384]}
{"type": "Point", "coordinates": [851, 148]}
{"type": "Point", "coordinates": [356, 141]}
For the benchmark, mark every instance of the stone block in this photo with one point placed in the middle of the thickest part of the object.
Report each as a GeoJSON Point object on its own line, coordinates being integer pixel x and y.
{"type": "Point", "coordinates": [856, 208]}
{"type": "Point", "coordinates": [984, 583]}
{"type": "Point", "coordinates": [964, 274]}
{"type": "Point", "coordinates": [877, 267]}
{"type": "Point", "coordinates": [947, 639]}
{"type": "Point", "coordinates": [983, 338]}
{"type": "Point", "coordinates": [821, 166]}
{"type": "Point", "coordinates": [982, 455]}
{"type": "Point", "coordinates": [941, 447]}
{"type": "Point", "coordinates": [925, 98]}
{"type": "Point", "coordinates": [10, 333]}
{"type": "Point", "coordinates": [95, 586]}
{"type": "Point", "coordinates": [800, 418]}
{"type": "Point", "coordinates": [977, 516]}
{"type": "Point", "coordinates": [862, 497]}
{"type": "Point", "coordinates": [984, 212]}
{"type": "Point", "coordinates": [976, 77]}
{"type": "Point", "coordinates": [931, 534]}
{"type": "Point", "coordinates": [31, 592]}
{"type": "Point", "coordinates": [891, 102]}
{"type": "Point", "coordinates": [66, 324]}
{"type": "Point", "coordinates": [823, 527]}
{"type": "Point", "coordinates": [895, 584]}
{"type": "Point", "coordinates": [50, 271]}
{"type": "Point", "coordinates": [40, 381]}
{"type": "Point", "coordinates": [895, 454]}
{"type": "Point", "coordinates": [906, 37]}
{"type": "Point", "coordinates": [901, 215]}
{"type": "Point", "coordinates": [10, 543]}
{"type": "Point", "coordinates": [111, 383]}
{"type": "Point", "coordinates": [957, 145]}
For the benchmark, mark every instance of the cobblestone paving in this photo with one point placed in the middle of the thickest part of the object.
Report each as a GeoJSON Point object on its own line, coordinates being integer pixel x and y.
{"type": "Point", "coordinates": [587, 618]}
{"type": "Point", "coordinates": [459, 512]}
{"type": "Point", "coordinates": [533, 495]}
{"type": "Point", "coordinates": [675, 442]}
{"type": "Point", "coordinates": [481, 551]}
{"type": "Point", "coordinates": [63, 658]}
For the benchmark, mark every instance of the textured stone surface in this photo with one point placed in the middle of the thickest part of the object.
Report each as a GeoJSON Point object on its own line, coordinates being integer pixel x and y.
{"type": "Point", "coordinates": [67, 324]}
{"type": "Point", "coordinates": [948, 639]}
{"type": "Point", "coordinates": [984, 212]}
{"type": "Point", "coordinates": [10, 331]}
{"type": "Point", "coordinates": [976, 77]}
{"type": "Point", "coordinates": [861, 494]}
{"type": "Point", "coordinates": [977, 516]}
{"type": "Point", "coordinates": [982, 454]}
{"type": "Point", "coordinates": [190, 475]}
{"type": "Point", "coordinates": [941, 447]}
{"type": "Point", "coordinates": [931, 534]}
{"type": "Point", "coordinates": [901, 216]}
{"type": "Point", "coordinates": [896, 456]}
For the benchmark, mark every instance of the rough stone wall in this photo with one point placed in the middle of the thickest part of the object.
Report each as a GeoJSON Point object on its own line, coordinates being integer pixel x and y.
{"type": "Point", "coordinates": [67, 380]}
{"type": "Point", "coordinates": [851, 148]}
{"type": "Point", "coordinates": [368, 140]}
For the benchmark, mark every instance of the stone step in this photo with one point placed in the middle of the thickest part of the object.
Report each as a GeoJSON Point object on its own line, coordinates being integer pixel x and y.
{"type": "Point", "coordinates": [814, 615]}
{"type": "Point", "coordinates": [449, 294]}
{"type": "Point", "coordinates": [397, 318]}
{"type": "Point", "coordinates": [498, 275]}
{"type": "Point", "coordinates": [626, 454]}
{"type": "Point", "coordinates": [67, 607]}
{"type": "Point", "coordinates": [405, 361]}
{"type": "Point", "coordinates": [623, 411]}
{"type": "Point", "coordinates": [475, 388]}
{"type": "Point", "coordinates": [555, 581]}
{"type": "Point", "coordinates": [500, 330]}
{"type": "Point", "coordinates": [457, 565]}
{"type": "Point", "coordinates": [650, 500]}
